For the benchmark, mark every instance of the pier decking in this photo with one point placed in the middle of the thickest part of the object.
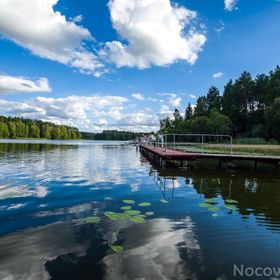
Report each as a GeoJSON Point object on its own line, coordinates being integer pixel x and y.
{"type": "Point", "coordinates": [171, 154]}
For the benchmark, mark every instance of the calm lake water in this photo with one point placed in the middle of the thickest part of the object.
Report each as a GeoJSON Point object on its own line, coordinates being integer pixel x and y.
{"type": "Point", "coordinates": [46, 191]}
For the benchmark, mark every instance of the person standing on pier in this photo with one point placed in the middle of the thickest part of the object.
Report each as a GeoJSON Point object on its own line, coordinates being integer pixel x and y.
{"type": "Point", "coordinates": [161, 140]}
{"type": "Point", "coordinates": [153, 139]}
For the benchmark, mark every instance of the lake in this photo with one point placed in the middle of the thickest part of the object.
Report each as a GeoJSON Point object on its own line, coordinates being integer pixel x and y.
{"type": "Point", "coordinates": [195, 224]}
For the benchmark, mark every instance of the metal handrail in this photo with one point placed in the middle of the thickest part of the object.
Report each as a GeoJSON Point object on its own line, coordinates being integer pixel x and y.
{"type": "Point", "coordinates": [165, 137]}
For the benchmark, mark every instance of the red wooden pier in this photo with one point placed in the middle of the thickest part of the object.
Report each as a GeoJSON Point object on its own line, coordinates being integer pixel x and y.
{"type": "Point", "coordinates": [161, 155]}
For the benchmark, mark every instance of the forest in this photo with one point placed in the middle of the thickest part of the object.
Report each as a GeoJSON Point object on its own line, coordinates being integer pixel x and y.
{"type": "Point", "coordinates": [111, 135]}
{"type": "Point", "coordinates": [26, 128]}
{"type": "Point", "coordinates": [248, 107]}
{"type": "Point", "coordinates": [16, 128]}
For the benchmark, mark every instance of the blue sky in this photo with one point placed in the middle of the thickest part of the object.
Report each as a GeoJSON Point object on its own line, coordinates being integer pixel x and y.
{"type": "Point", "coordinates": [124, 64]}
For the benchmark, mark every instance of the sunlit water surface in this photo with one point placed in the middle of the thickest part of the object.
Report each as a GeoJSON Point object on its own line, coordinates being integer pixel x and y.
{"type": "Point", "coordinates": [46, 190]}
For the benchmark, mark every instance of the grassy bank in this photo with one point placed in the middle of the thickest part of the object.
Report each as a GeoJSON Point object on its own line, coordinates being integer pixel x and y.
{"type": "Point", "coordinates": [273, 150]}
{"type": "Point", "coordinates": [24, 138]}
{"type": "Point", "coordinates": [237, 149]}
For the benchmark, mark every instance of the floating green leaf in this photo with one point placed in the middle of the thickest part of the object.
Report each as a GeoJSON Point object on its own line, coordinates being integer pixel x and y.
{"type": "Point", "coordinates": [210, 200]}
{"type": "Point", "coordinates": [164, 201]}
{"type": "Point", "coordinates": [145, 204]}
{"type": "Point", "coordinates": [108, 198]}
{"type": "Point", "coordinates": [116, 216]}
{"type": "Point", "coordinates": [117, 248]}
{"type": "Point", "coordinates": [205, 205]}
{"type": "Point", "coordinates": [92, 220]}
{"type": "Point", "coordinates": [231, 201]}
{"type": "Point", "coordinates": [142, 215]}
{"type": "Point", "coordinates": [125, 208]}
{"type": "Point", "coordinates": [213, 209]}
{"type": "Point", "coordinates": [132, 212]}
{"type": "Point", "coordinates": [149, 213]}
{"type": "Point", "coordinates": [230, 207]}
{"type": "Point", "coordinates": [128, 201]}
{"type": "Point", "coordinates": [137, 219]}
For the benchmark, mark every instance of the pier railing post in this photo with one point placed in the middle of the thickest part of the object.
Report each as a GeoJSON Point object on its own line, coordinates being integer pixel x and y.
{"type": "Point", "coordinates": [175, 142]}
{"type": "Point", "coordinates": [230, 145]}
{"type": "Point", "coordinates": [202, 144]}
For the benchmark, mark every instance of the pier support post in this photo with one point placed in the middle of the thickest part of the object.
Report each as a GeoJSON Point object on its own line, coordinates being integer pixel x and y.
{"type": "Point", "coordinates": [255, 165]}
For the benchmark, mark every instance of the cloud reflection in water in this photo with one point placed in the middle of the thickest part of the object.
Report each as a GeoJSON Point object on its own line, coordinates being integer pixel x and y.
{"type": "Point", "coordinates": [23, 254]}
{"type": "Point", "coordinates": [152, 251]}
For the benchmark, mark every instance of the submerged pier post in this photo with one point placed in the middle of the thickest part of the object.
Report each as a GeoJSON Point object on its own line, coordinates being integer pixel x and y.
{"type": "Point", "coordinates": [255, 165]}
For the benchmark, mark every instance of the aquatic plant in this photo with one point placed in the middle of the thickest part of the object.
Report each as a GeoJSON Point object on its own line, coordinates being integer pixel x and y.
{"type": "Point", "coordinates": [231, 201]}
{"type": "Point", "coordinates": [149, 213]}
{"type": "Point", "coordinates": [205, 205]}
{"type": "Point", "coordinates": [92, 220]}
{"type": "Point", "coordinates": [116, 216]}
{"type": "Point", "coordinates": [125, 208]}
{"type": "Point", "coordinates": [128, 201]}
{"type": "Point", "coordinates": [213, 209]}
{"type": "Point", "coordinates": [164, 201]}
{"type": "Point", "coordinates": [142, 215]}
{"type": "Point", "coordinates": [132, 212]}
{"type": "Point", "coordinates": [117, 248]}
{"type": "Point", "coordinates": [137, 219]}
{"type": "Point", "coordinates": [230, 207]}
{"type": "Point", "coordinates": [144, 204]}
{"type": "Point", "coordinates": [209, 207]}
{"type": "Point", "coordinates": [210, 200]}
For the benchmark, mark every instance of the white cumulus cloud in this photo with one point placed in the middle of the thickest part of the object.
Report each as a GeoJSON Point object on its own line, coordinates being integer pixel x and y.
{"type": "Point", "coordinates": [89, 113]}
{"type": "Point", "coordinates": [230, 4]}
{"type": "Point", "coordinates": [171, 99]}
{"type": "Point", "coordinates": [218, 75]}
{"type": "Point", "coordinates": [10, 84]}
{"type": "Point", "coordinates": [36, 26]}
{"type": "Point", "coordinates": [78, 18]}
{"type": "Point", "coordinates": [174, 100]}
{"type": "Point", "coordinates": [138, 96]}
{"type": "Point", "coordinates": [138, 119]}
{"type": "Point", "coordinates": [151, 32]}
{"type": "Point", "coordinates": [154, 32]}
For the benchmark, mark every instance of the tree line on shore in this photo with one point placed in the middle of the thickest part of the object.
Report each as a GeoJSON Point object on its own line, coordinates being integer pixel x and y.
{"type": "Point", "coordinates": [13, 128]}
{"type": "Point", "coordinates": [248, 107]}
{"type": "Point", "coordinates": [111, 135]}
{"type": "Point", "coordinates": [26, 128]}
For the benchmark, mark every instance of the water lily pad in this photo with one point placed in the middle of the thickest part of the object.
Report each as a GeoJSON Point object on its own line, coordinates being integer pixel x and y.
{"type": "Point", "coordinates": [117, 248]}
{"type": "Point", "coordinates": [205, 205]}
{"type": "Point", "coordinates": [142, 215]}
{"type": "Point", "coordinates": [230, 207]}
{"type": "Point", "coordinates": [132, 212]}
{"type": "Point", "coordinates": [145, 204]}
{"type": "Point", "coordinates": [128, 201]}
{"type": "Point", "coordinates": [164, 201]}
{"type": "Point", "coordinates": [116, 216]}
{"type": "Point", "coordinates": [125, 208]}
{"type": "Point", "coordinates": [92, 220]}
{"type": "Point", "coordinates": [210, 200]}
{"type": "Point", "coordinates": [213, 209]}
{"type": "Point", "coordinates": [149, 213]}
{"type": "Point", "coordinates": [231, 201]}
{"type": "Point", "coordinates": [137, 219]}
{"type": "Point", "coordinates": [108, 198]}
